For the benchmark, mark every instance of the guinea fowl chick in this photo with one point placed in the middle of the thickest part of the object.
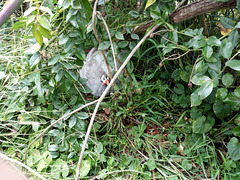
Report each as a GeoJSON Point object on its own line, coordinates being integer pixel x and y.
{"type": "Point", "coordinates": [96, 72]}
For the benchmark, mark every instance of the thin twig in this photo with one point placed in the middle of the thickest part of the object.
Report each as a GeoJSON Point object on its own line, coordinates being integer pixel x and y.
{"type": "Point", "coordinates": [23, 165]}
{"type": "Point", "coordinates": [104, 94]}
{"type": "Point", "coordinates": [64, 116]}
{"type": "Point", "coordinates": [110, 39]}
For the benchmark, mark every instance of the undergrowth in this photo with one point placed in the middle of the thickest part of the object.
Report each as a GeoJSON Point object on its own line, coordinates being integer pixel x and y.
{"type": "Point", "coordinates": [177, 121]}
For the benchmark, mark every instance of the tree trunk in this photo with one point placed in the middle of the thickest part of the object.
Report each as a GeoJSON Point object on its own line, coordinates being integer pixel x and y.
{"type": "Point", "coordinates": [199, 7]}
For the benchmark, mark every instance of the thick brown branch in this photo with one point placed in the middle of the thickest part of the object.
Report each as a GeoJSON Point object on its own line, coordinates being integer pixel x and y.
{"type": "Point", "coordinates": [199, 7]}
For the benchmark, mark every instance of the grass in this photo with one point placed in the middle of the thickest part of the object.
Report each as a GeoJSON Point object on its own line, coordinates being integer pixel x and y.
{"type": "Point", "coordinates": [149, 136]}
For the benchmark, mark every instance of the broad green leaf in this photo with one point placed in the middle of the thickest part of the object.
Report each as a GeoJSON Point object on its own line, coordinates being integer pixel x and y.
{"type": "Point", "coordinates": [227, 79]}
{"type": "Point", "coordinates": [2, 75]}
{"type": "Point", "coordinates": [122, 44]}
{"type": "Point", "coordinates": [35, 59]}
{"type": "Point", "coordinates": [44, 32]}
{"type": "Point", "coordinates": [134, 14]}
{"type": "Point", "coordinates": [135, 36]}
{"type": "Point", "coordinates": [226, 49]}
{"type": "Point", "coordinates": [207, 51]}
{"type": "Point", "coordinates": [227, 22]}
{"type": "Point", "coordinates": [234, 148]}
{"type": "Point", "coordinates": [151, 164]}
{"type": "Point", "coordinates": [205, 89]}
{"type": "Point", "coordinates": [236, 131]}
{"type": "Point", "coordinates": [72, 121]}
{"type": "Point", "coordinates": [87, 8]}
{"type": "Point", "coordinates": [38, 37]}
{"type": "Point", "coordinates": [53, 147]}
{"type": "Point", "coordinates": [44, 22]}
{"type": "Point", "coordinates": [76, 4]}
{"type": "Point", "coordinates": [18, 25]}
{"type": "Point", "coordinates": [99, 147]}
{"type": "Point", "coordinates": [200, 125]}
{"type": "Point", "coordinates": [234, 38]}
{"type": "Point", "coordinates": [29, 11]}
{"type": "Point", "coordinates": [149, 3]}
{"type": "Point", "coordinates": [82, 115]}
{"type": "Point", "coordinates": [213, 41]}
{"type": "Point", "coordinates": [186, 164]}
{"type": "Point", "coordinates": [221, 93]}
{"type": "Point", "coordinates": [85, 168]}
{"type": "Point", "coordinates": [104, 45]}
{"type": "Point", "coordinates": [119, 35]}
{"type": "Point", "coordinates": [199, 79]}
{"type": "Point", "coordinates": [62, 39]}
{"type": "Point", "coordinates": [195, 99]}
{"type": "Point", "coordinates": [221, 109]}
{"type": "Point", "coordinates": [199, 67]}
{"type": "Point", "coordinates": [234, 64]}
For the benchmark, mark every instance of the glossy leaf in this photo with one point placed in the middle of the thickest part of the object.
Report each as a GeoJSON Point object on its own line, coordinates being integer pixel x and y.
{"type": "Point", "coordinates": [149, 3]}
{"type": "Point", "coordinates": [38, 37]}
{"type": "Point", "coordinates": [207, 52]}
{"type": "Point", "coordinates": [221, 93]}
{"type": "Point", "coordinates": [44, 22]}
{"type": "Point", "coordinates": [221, 109]}
{"type": "Point", "coordinates": [119, 35]}
{"type": "Point", "coordinates": [234, 148]}
{"type": "Point", "coordinates": [76, 4]}
{"type": "Point", "coordinates": [195, 99]}
{"type": "Point", "coordinates": [227, 79]}
{"type": "Point", "coordinates": [205, 89]}
{"type": "Point", "coordinates": [44, 32]}
{"type": "Point", "coordinates": [200, 125]}
{"type": "Point", "coordinates": [226, 49]}
{"type": "Point", "coordinates": [85, 168]}
{"type": "Point", "coordinates": [104, 45]}
{"type": "Point", "coordinates": [234, 64]}
{"type": "Point", "coordinates": [213, 41]}
{"type": "Point", "coordinates": [199, 79]}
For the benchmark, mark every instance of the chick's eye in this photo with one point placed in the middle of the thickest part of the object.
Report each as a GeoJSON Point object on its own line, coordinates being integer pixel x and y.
{"type": "Point", "coordinates": [103, 78]}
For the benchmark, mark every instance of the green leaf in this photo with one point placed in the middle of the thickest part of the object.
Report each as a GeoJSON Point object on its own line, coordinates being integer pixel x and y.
{"type": "Point", "coordinates": [38, 37]}
{"type": "Point", "coordinates": [179, 89]}
{"type": "Point", "coordinates": [44, 32]}
{"type": "Point", "coordinates": [62, 39]}
{"type": "Point", "coordinates": [135, 36]}
{"type": "Point", "coordinates": [35, 59]}
{"type": "Point", "coordinates": [234, 64]}
{"type": "Point", "coordinates": [2, 75]}
{"type": "Point", "coordinates": [207, 51]}
{"type": "Point", "coordinates": [236, 131]}
{"type": "Point", "coordinates": [195, 99]}
{"type": "Point", "coordinates": [199, 67]}
{"type": "Point", "coordinates": [234, 148]}
{"type": "Point", "coordinates": [85, 168]}
{"type": "Point", "coordinates": [72, 121]}
{"type": "Point", "coordinates": [99, 147]}
{"type": "Point", "coordinates": [186, 164]}
{"type": "Point", "coordinates": [234, 38]}
{"type": "Point", "coordinates": [82, 115]}
{"type": "Point", "coordinates": [205, 89]}
{"type": "Point", "coordinates": [227, 79]}
{"type": "Point", "coordinates": [119, 35]}
{"type": "Point", "coordinates": [151, 164]}
{"type": "Point", "coordinates": [221, 109]}
{"type": "Point", "coordinates": [76, 4]}
{"type": "Point", "coordinates": [227, 22]}
{"type": "Point", "coordinates": [18, 25]}
{"type": "Point", "coordinates": [213, 41]}
{"type": "Point", "coordinates": [104, 45]}
{"type": "Point", "coordinates": [149, 3]}
{"type": "Point", "coordinates": [199, 79]}
{"type": "Point", "coordinates": [226, 49]}
{"type": "Point", "coordinates": [44, 22]}
{"type": "Point", "coordinates": [200, 125]}
{"type": "Point", "coordinates": [122, 44]}
{"type": "Point", "coordinates": [53, 147]}
{"type": "Point", "coordinates": [221, 93]}
{"type": "Point", "coordinates": [134, 14]}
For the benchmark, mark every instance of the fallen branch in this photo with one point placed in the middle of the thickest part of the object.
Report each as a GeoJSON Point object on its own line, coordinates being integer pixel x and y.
{"type": "Point", "coordinates": [199, 7]}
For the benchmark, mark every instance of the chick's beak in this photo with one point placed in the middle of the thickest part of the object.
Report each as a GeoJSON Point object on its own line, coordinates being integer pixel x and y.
{"type": "Point", "coordinates": [106, 82]}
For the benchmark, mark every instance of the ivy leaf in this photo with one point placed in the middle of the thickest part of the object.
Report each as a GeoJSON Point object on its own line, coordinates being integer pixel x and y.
{"type": "Point", "coordinates": [234, 64]}
{"type": "Point", "coordinates": [205, 89]}
{"type": "Point", "coordinates": [76, 4]}
{"type": "Point", "coordinates": [234, 148]}
{"type": "Point", "coordinates": [213, 41]}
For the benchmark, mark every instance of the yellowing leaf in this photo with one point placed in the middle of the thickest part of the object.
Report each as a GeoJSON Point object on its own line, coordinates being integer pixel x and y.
{"type": "Point", "coordinates": [149, 3]}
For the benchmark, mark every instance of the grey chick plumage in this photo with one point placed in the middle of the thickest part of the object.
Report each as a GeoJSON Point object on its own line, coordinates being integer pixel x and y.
{"type": "Point", "coordinates": [93, 69]}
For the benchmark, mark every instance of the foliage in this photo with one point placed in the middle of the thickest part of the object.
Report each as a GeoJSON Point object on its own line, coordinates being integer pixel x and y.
{"type": "Point", "coordinates": [180, 121]}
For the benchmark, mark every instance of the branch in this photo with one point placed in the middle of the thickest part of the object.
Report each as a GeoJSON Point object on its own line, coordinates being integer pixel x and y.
{"type": "Point", "coordinates": [10, 7]}
{"type": "Point", "coordinates": [199, 7]}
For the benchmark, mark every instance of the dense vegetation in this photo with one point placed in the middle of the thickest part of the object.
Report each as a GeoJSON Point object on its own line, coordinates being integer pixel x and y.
{"type": "Point", "coordinates": [175, 115]}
